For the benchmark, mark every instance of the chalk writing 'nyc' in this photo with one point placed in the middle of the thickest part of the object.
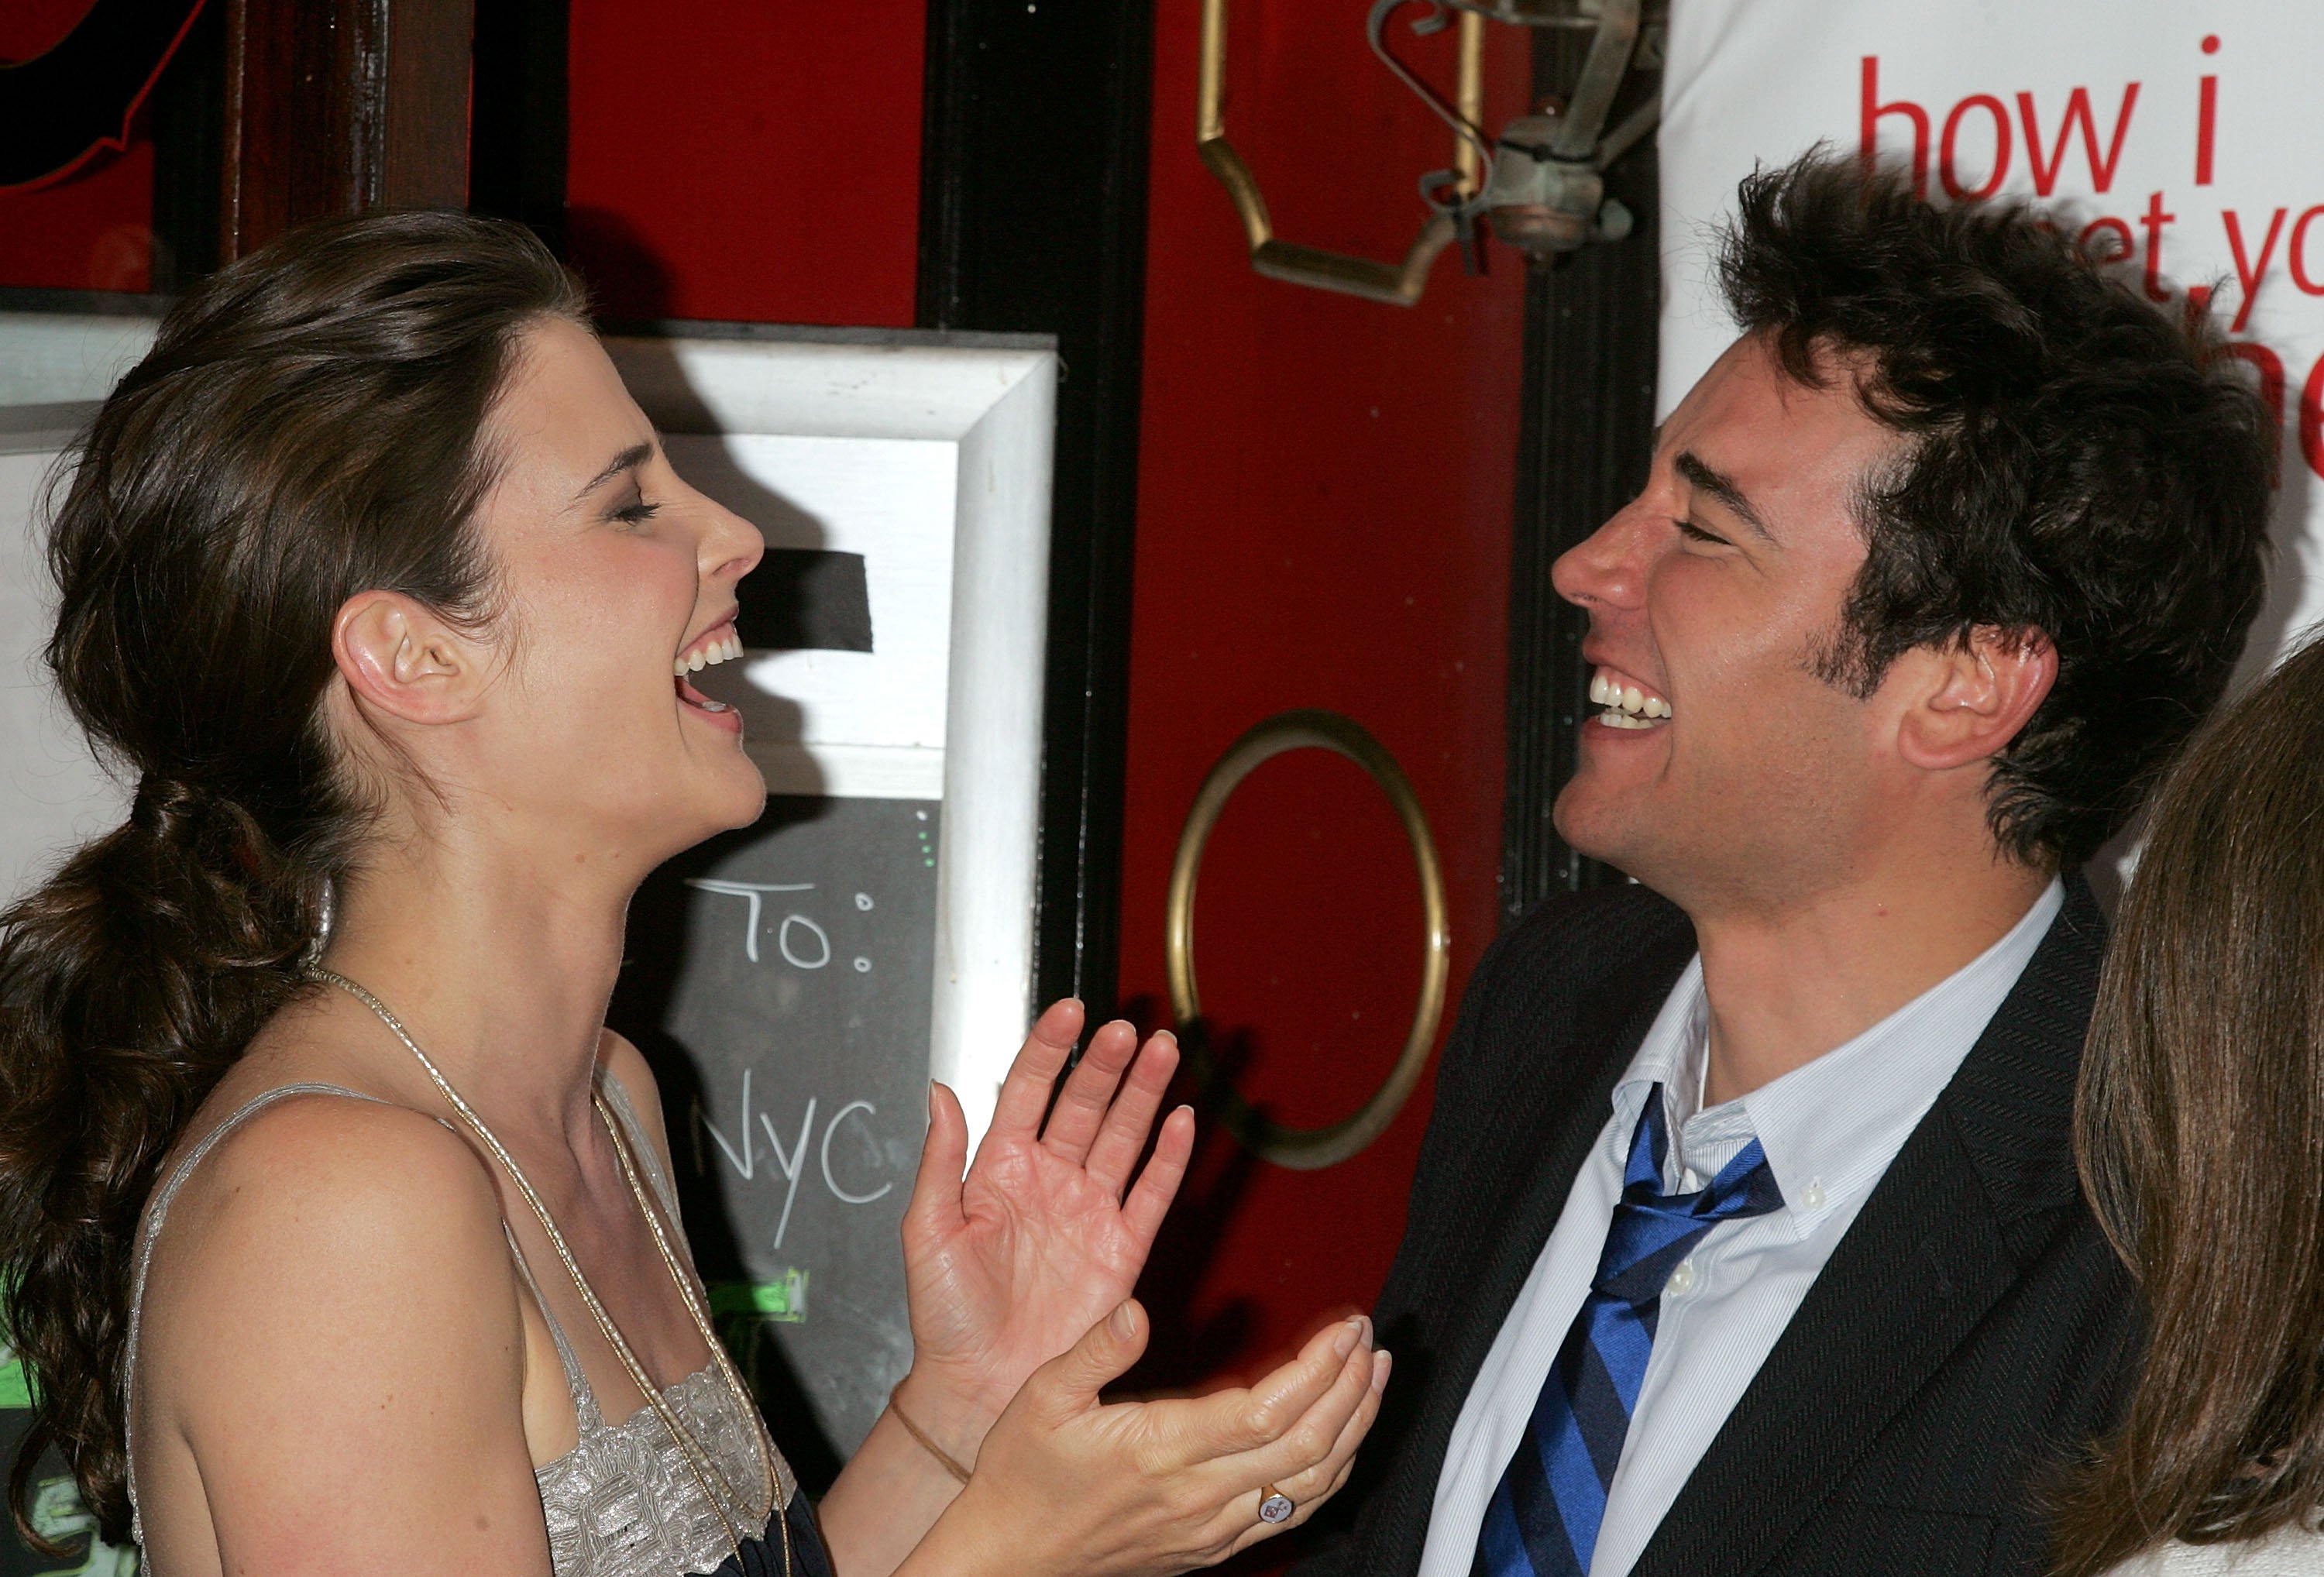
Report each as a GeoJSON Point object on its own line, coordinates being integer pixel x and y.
{"type": "Point", "coordinates": [753, 894]}
{"type": "Point", "coordinates": [792, 1161]}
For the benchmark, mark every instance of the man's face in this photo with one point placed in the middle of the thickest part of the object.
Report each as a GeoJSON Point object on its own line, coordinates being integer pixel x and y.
{"type": "Point", "coordinates": [1725, 770]}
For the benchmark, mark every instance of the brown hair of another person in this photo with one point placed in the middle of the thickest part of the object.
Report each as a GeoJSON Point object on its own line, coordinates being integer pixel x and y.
{"type": "Point", "coordinates": [308, 425]}
{"type": "Point", "coordinates": [2200, 1130]}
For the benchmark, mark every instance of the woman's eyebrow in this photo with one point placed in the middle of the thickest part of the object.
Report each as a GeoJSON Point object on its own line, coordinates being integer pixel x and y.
{"type": "Point", "coordinates": [629, 459]}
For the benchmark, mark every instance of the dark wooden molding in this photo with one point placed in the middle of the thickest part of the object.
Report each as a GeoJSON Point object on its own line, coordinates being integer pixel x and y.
{"type": "Point", "coordinates": [95, 303]}
{"type": "Point", "coordinates": [424, 156]}
{"type": "Point", "coordinates": [516, 121]}
{"type": "Point", "coordinates": [295, 137]}
{"type": "Point", "coordinates": [1033, 220]}
{"type": "Point", "coordinates": [1591, 337]}
{"type": "Point", "coordinates": [187, 117]}
{"type": "Point", "coordinates": [332, 106]}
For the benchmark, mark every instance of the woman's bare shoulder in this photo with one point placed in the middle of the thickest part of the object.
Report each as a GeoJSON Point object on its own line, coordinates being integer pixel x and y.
{"type": "Point", "coordinates": [342, 1152]}
{"type": "Point", "coordinates": [318, 1191]}
{"type": "Point", "coordinates": [336, 1305]}
{"type": "Point", "coordinates": [626, 1065]}
{"type": "Point", "coordinates": [327, 1253]}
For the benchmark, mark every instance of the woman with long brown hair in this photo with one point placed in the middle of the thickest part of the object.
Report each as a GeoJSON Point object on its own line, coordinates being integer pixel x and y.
{"type": "Point", "coordinates": [2200, 1131]}
{"type": "Point", "coordinates": [338, 1229]}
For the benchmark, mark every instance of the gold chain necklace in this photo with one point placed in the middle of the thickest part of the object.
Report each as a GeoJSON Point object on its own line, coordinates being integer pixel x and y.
{"type": "Point", "coordinates": [690, 1450]}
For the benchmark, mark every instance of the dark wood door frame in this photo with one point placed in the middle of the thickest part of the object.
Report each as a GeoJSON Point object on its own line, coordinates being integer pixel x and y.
{"type": "Point", "coordinates": [1591, 340]}
{"type": "Point", "coordinates": [332, 106]}
{"type": "Point", "coordinates": [1033, 220]}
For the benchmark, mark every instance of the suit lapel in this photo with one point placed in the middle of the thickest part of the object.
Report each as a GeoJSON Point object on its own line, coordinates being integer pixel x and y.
{"type": "Point", "coordinates": [1570, 1123]}
{"type": "Point", "coordinates": [1515, 1118]}
{"type": "Point", "coordinates": [1974, 1192]}
{"type": "Point", "coordinates": [1568, 1110]}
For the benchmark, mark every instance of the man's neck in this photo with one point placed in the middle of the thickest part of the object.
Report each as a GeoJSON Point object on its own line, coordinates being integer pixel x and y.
{"type": "Point", "coordinates": [1783, 987]}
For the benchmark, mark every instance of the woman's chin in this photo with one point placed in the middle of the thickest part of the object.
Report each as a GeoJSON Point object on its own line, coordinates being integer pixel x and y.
{"type": "Point", "coordinates": [749, 800]}
{"type": "Point", "coordinates": [737, 799]}
{"type": "Point", "coordinates": [689, 807]}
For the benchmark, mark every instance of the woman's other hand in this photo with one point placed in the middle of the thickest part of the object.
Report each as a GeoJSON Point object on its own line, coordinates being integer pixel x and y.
{"type": "Point", "coordinates": [1071, 1486]}
{"type": "Point", "coordinates": [1009, 1265]}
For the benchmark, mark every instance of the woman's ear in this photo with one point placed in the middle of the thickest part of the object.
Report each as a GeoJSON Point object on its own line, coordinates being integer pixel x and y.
{"type": "Point", "coordinates": [401, 657]}
{"type": "Point", "coordinates": [1981, 693]}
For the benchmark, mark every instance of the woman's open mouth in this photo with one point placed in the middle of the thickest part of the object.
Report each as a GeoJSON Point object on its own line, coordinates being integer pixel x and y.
{"type": "Point", "coordinates": [718, 644]}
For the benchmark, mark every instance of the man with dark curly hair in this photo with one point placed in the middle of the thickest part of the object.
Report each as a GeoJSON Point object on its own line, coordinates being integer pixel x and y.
{"type": "Point", "coordinates": [1746, 1236]}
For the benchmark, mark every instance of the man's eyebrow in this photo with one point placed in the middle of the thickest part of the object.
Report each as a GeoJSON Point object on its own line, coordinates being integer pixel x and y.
{"type": "Point", "coordinates": [1721, 486]}
{"type": "Point", "coordinates": [629, 459]}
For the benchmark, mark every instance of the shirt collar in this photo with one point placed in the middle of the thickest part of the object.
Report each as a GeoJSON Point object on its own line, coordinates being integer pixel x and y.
{"type": "Point", "coordinates": [1831, 1126]}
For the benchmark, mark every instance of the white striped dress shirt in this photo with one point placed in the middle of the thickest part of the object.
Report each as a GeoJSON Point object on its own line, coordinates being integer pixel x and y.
{"type": "Point", "coordinates": [1830, 1128]}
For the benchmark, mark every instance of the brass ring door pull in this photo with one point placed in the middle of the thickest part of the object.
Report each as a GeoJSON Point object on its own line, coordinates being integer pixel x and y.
{"type": "Point", "coordinates": [1308, 1149]}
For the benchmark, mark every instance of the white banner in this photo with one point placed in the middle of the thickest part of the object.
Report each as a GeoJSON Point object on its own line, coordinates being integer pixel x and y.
{"type": "Point", "coordinates": [2179, 134]}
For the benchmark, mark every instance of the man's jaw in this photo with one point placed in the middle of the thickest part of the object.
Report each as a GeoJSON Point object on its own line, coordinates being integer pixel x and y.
{"type": "Point", "coordinates": [1627, 703]}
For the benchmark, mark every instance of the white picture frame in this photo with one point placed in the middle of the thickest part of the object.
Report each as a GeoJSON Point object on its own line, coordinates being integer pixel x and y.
{"type": "Point", "coordinates": [993, 400]}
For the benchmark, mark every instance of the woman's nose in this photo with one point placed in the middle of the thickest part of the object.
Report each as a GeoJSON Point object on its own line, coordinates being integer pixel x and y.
{"type": "Point", "coordinates": [731, 546]}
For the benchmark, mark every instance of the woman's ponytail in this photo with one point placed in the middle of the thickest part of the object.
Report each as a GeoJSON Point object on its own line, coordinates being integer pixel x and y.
{"type": "Point", "coordinates": [307, 426]}
{"type": "Point", "coordinates": [128, 984]}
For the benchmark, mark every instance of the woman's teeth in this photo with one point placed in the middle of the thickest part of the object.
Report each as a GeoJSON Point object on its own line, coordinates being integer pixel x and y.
{"type": "Point", "coordinates": [709, 654]}
{"type": "Point", "coordinates": [1627, 705]}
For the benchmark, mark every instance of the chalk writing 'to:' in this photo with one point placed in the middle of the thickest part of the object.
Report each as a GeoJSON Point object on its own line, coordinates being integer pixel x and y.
{"type": "Point", "coordinates": [792, 953]}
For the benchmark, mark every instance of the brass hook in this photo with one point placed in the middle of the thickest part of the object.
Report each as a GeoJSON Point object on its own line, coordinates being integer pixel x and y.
{"type": "Point", "coordinates": [1398, 284]}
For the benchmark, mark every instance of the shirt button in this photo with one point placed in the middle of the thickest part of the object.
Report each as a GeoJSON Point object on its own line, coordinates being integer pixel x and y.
{"type": "Point", "coordinates": [1682, 1279]}
{"type": "Point", "coordinates": [1813, 1198]}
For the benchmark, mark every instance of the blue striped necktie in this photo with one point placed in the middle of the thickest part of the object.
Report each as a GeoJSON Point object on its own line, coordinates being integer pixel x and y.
{"type": "Point", "coordinates": [1543, 1517]}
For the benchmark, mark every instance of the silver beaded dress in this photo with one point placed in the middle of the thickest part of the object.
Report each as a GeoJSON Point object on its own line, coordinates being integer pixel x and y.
{"type": "Point", "coordinates": [622, 1502]}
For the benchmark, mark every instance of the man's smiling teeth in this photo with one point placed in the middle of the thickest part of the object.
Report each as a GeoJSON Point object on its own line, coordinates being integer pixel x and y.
{"type": "Point", "coordinates": [1627, 705]}
{"type": "Point", "coordinates": [711, 652]}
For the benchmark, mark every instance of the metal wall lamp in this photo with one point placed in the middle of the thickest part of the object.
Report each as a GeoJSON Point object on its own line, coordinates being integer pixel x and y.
{"type": "Point", "coordinates": [1541, 181]}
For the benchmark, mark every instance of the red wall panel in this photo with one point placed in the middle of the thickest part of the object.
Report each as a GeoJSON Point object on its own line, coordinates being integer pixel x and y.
{"type": "Point", "coordinates": [747, 160]}
{"type": "Point", "coordinates": [93, 229]}
{"type": "Point", "coordinates": [1324, 513]}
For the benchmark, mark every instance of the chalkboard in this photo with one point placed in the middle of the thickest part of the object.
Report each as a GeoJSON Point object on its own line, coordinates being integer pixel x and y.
{"type": "Point", "coordinates": [779, 979]}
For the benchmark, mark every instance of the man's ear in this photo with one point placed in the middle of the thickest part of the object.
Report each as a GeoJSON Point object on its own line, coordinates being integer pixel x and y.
{"type": "Point", "coordinates": [1978, 694]}
{"type": "Point", "coordinates": [398, 656]}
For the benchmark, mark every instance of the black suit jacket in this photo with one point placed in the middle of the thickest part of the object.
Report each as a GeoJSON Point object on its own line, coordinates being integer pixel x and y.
{"type": "Point", "coordinates": [1969, 1335]}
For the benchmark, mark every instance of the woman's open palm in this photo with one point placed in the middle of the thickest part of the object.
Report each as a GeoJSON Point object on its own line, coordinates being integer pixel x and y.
{"type": "Point", "coordinates": [1008, 1266]}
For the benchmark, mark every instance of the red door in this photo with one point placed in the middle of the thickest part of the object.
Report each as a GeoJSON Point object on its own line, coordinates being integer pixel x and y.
{"type": "Point", "coordinates": [1324, 504]}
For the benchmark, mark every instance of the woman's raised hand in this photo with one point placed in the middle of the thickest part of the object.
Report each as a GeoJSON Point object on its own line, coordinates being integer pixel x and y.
{"type": "Point", "coordinates": [1009, 1265]}
{"type": "Point", "coordinates": [1068, 1486]}
{"type": "Point", "coordinates": [1019, 1275]}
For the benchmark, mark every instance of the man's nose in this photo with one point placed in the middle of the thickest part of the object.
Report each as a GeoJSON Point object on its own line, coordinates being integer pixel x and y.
{"type": "Point", "coordinates": [1606, 569]}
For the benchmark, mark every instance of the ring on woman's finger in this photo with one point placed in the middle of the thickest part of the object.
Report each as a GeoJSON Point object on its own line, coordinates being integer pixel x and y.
{"type": "Point", "coordinates": [1273, 1504]}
